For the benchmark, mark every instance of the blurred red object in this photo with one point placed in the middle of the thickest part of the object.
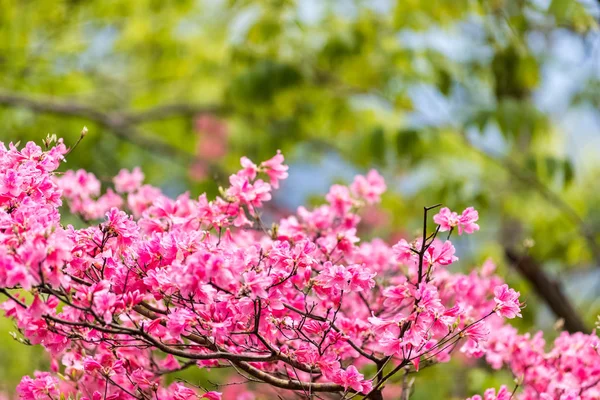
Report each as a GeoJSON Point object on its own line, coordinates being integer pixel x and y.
{"type": "Point", "coordinates": [212, 143]}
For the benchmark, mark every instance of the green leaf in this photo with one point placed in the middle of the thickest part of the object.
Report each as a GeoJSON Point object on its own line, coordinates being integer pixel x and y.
{"type": "Point", "coordinates": [378, 146]}
{"type": "Point", "coordinates": [263, 81]}
{"type": "Point", "coordinates": [568, 171]}
{"type": "Point", "coordinates": [408, 146]}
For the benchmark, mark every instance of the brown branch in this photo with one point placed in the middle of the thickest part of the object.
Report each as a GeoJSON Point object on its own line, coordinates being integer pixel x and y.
{"type": "Point", "coordinates": [335, 328]}
{"type": "Point", "coordinates": [52, 106]}
{"type": "Point", "coordinates": [275, 355]}
{"type": "Point", "coordinates": [121, 124]}
{"type": "Point", "coordinates": [218, 355]}
{"type": "Point", "coordinates": [291, 384]}
{"type": "Point", "coordinates": [176, 110]}
{"type": "Point", "coordinates": [547, 288]}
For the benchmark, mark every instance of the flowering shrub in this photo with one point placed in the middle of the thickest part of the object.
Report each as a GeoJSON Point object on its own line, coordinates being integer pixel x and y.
{"type": "Point", "coordinates": [164, 284]}
{"type": "Point", "coordinates": [569, 371]}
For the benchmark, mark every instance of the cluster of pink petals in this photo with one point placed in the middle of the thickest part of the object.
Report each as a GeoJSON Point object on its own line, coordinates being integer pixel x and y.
{"type": "Point", "coordinates": [569, 369]}
{"type": "Point", "coordinates": [82, 190]}
{"type": "Point", "coordinates": [127, 182]}
{"type": "Point", "coordinates": [153, 285]}
{"type": "Point", "coordinates": [507, 302]}
{"type": "Point", "coordinates": [466, 222]}
{"type": "Point", "coordinates": [43, 385]}
{"type": "Point", "coordinates": [490, 394]}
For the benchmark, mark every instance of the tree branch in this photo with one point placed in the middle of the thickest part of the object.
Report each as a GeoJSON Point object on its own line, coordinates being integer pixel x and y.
{"type": "Point", "coordinates": [121, 124]}
{"type": "Point", "coordinates": [52, 106]}
{"type": "Point", "coordinates": [547, 288]}
{"type": "Point", "coordinates": [176, 110]}
{"type": "Point", "coordinates": [291, 384]}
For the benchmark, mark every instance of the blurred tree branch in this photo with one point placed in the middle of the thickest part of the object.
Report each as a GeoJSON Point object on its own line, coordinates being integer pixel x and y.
{"type": "Point", "coordinates": [174, 110]}
{"type": "Point", "coordinates": [547, 288]}
{"type": "Point", "coordinates": [531, 269]}
{"type": "Point", "coordinates": [121, 124]}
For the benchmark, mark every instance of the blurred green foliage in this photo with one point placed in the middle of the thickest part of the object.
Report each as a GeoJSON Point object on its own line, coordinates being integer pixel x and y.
{"type": "Point", "coordinates": [16, 358]}
{"type": "Point", "coordinates": [375, 82]}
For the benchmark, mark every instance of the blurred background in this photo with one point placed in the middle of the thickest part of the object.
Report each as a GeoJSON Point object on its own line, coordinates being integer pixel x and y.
{"type": "Point", "coordinates": [489, 103]}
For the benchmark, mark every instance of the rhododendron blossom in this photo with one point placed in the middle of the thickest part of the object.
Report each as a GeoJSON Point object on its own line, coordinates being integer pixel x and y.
{"type": "Point", "coordinates": [507, 301]}
{"type": "Point", "coordinates": [448, 220]}
{"type": "Point", "coordinates": [568, 370]}
{"type": "Point", "coordinates": [490, 394]}
{"type": "Point", "coordinates": [152, 285]}
{"type": "Point", "coordinates": [127, 182]}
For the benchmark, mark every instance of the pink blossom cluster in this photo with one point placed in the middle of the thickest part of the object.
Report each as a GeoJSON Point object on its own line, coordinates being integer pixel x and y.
{"type": "Point", "coordinates": [568, 370]}
{"type": "Point", "coordinates": [159, 285]}
{"type": "Point", "coordinates": [466, 222]}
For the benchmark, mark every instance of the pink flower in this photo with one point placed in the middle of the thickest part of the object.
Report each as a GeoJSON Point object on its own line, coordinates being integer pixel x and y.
{"type": "Point", "coordinates": [334, 276]}
{"type": "Point", "coordinates": [448, 220]}
{"type": "Point", "coordinates": [315, 327]}
{"type": "Point", "coordinates": [414, 336]}
{"type": "Point", "coordinates": [180, 321]}
{"type": "Point", "coordinates": [467, 221]}
{"type": "Point", "coordinates": [104, 304]}
{"type": "Point", "coordinates": [105, 363]}
{"type": "Point", "coordinates": [339, 199]}
{"type": "Point", "coordinates": [257, 284]}
{"type": "Point", "coordinates": [403, 251]}
{"type": "Point", "coordinates": [429, 300]}
{"type": "Point", "coordinates": [80, 184]}
{"type": "Point", "coordinates": [391, 344]}
{"type": "Point", "coordinates": [91, 365]}
{"type": "Point", "coordinates": [42, 386]}
{"type": "Point", "coordinates": [442, 254]}
{"type": "Point", "coordinates": [170, 363]}
{"type": "Point", "coordinates": [351, 378]}
{"type": "Point", "coordinates": [490, 394]}
{"type": "Point", "coordinates": [10, 183]}
{"type": "Point", "coordinates": [252, 194]}
{"type": "Point", "coordinates": [507, 302]}
{"type": "Point", "coordinates": [396, 296]}
{"type": "Point", "coordinates": [249, 168]}
{"type": "Point", "coordinates": [181, 392]}
{"type": "Point", "coordinates": [127, 182]}
{"type": "Point", "coordinates": [13, 274]}
{"type": "Point", "coordinates": [369, 188]}
{"type": "Point", "coordinates": [275, 169]}
{"type": "Point", "coordinates": [477, 332]}
{"type": "Point", "coordinates": [122, 226]}
{"type": "Point", "coordinates": [211, 396]}
{"type": "Point", "coordinates": [143, 379]}
{"type": "Point", "coordinates": [361, 279]}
